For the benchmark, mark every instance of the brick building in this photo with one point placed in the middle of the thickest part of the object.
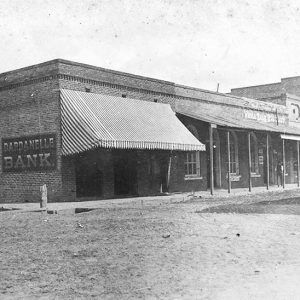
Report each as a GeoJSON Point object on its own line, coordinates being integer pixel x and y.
{"type": "Point", "coordinates": [53, 134]}
{"type": "Point", "coordinates": [85, 133]}
{"type": "Point", "coordinates": [286, 92]}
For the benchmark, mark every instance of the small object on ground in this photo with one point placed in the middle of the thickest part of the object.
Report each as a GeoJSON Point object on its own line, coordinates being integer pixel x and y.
{"type": "Point", "coordinates": [238, 235]}
{"type": "Point", "coordinates": [79, 225]}
{"type": "Point", "coordinates": [256, 271]}
{"type": "Point", "coordinates": [165, 236]}
{"type": "Point", "coordinates": [43, 200]}
{"type": "Point", "coordinates": [225, 237]}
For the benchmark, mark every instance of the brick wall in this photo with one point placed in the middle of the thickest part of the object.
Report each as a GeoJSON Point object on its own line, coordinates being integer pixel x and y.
{"type": "Point", "coordinates": [259, 91]}
{"type": "Point", "coordinates": [30, 110]}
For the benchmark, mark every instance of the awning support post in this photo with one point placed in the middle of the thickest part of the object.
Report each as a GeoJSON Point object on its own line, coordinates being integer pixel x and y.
{"type": "Point", "coordinates": [169, 171]}
{"type": "Point", "coordinates": [228, 158]}
{"type": "Point", "coordinates": [211, 158]}
{"type": "Point", "coordinates": [298, 167]}
{"type": "Point", "coordinates": [249, 161]}
{"type": "Point", "coordinates": [268, 163]}
{"type": "Point", "coordinates": [283, 163]}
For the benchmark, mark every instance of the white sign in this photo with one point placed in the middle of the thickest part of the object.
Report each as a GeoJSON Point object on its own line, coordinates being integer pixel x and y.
{"type": "Point", "coordinates": [263, 116]}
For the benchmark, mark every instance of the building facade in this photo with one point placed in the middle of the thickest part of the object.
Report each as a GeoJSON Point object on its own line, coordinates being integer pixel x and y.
{"type": "Point", "coordinates": [92, 133]}
{"type": "Point", "coordinates": [286, 93]}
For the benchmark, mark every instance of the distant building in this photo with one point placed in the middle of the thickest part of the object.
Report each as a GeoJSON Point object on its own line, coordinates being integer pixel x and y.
{"type": "Point", "coordinates": [85, 133]}
{"type": "Point", "coordinates": [286, 92]}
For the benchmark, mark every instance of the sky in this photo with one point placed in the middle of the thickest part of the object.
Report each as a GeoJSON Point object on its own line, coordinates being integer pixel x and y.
{"type": "Point", "coordinates": [197, 43]}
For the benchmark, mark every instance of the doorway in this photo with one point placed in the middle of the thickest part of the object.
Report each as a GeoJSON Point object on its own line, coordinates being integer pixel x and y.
{"type": "Point", "coordinates": [272, 164]}
{"type": "Point", "coordinates": [125, 173]}
{"type": "Point", "coordinates": [89, 179]}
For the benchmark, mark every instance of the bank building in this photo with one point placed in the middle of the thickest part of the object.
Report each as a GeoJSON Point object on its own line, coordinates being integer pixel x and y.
{"type": "Point", "coordinates": [93, 133]}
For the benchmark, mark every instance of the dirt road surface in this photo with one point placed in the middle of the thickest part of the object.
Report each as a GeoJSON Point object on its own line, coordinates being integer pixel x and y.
{"type": "Point", "coordinates": [162, 251]}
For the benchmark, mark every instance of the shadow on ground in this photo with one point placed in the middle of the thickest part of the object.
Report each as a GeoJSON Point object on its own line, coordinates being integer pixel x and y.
{"type": "Point", "coordinates": [7, 209]}
{"type": "Point", "coordinates": [290, 206]}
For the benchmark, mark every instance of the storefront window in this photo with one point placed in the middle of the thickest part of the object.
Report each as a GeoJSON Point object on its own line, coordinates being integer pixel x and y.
{"type": "Point", "coordinates": [192, 160]}
{"type": "Point", "coordinates": [192, 164]}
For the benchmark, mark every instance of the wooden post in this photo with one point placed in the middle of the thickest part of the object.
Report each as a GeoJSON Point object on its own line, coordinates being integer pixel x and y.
{"type": "Point", "coordinates": [44, 198]}
{"type": "Point", "coordinates": [249, 161]}
{"type": "Point", "coordinates": [211, 158]}
{"type": "Point", "coordinates": [228, 158]}
{"type": "Point", "coordinates": [298, 167]}
{"type": "Point", "coordinates": [283, 163]}
{"type": "Point", "coordinates": [268, 163]}
{"type": "Point", "coordinates": [169, 171]}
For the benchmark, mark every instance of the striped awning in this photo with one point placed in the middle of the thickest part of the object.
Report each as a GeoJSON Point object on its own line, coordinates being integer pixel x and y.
{"type": "Point", "coordinates": [94, 120]}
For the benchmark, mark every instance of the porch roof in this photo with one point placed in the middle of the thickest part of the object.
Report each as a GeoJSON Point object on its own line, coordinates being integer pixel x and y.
{"type": "Point", "coordinates": [95, 120]}
{"type": "Point", "coordinates": [232, 120]}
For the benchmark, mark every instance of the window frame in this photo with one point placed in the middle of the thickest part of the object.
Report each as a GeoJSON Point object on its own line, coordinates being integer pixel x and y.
{"type": "Point", "coordinates": [295, 109]}
{"type": "Point", "coordinates": [195, 163]}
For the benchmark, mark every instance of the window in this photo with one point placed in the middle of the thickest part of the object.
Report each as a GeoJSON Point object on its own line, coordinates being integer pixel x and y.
{"type": "Point", "coordinates": [295, 111]}
{"type": "Point", "coordinates": [192, 160]}
{"type": "Point", "coordinates": [254, 153]}
{"type": "Point", "coordinates": [234, 158]}
{"type": "Point", "coordinates": [192, 164]}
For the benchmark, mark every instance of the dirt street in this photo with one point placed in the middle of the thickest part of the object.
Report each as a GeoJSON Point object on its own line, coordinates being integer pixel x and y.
{"type": "Point", "coordinates": [161, 251]}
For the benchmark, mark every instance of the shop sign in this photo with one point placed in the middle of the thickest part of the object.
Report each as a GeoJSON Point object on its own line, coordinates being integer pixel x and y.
{"type": "Point", "coordinates": [30, 153]}
{"type": "Point", "coordinates": [264, 116]}
{"type": "Point", "coordinates": [233, 177]}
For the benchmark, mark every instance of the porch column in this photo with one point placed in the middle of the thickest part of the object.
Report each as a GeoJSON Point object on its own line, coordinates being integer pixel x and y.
{"type": "Point", "coordinates": [249, 161]}
{"type": "Point", "coordinates": [211, 158]}
{"type": "Point", "coordinates": [298, 167]}
{"type": "Point", "coordinates": [268, 163]}
{"type": "Point", "coordinates": [169, 171]}
{"type": "Point", "coordinates": [283, 163]}
{"type": "Point", "coordinates": [228, 157]}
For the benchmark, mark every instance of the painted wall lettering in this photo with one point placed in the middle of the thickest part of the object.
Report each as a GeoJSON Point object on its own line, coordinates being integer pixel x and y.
{"type": "Point", "coordinates": [31, 153]}
{"type": "Point", "coordinates": [264, 116]}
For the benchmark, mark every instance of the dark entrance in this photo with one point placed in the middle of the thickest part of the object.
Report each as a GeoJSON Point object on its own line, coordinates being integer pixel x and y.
{"type": "Point", "coordinates": [125, 173]}
{"type": "Point", "coordinates": [89, 179]}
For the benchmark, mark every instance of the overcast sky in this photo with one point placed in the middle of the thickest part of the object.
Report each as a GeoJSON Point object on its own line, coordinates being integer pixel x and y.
{"type": "Point", "coordinates": [197, 43]}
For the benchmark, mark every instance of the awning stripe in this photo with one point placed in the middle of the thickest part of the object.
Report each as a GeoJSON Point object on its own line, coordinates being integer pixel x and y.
{"type": "Point", "coordinates": [94, 120]}
{"type": "Point", "coordinates": [81, 132]}
{"type": "Point", "coordinates": [78, 111]}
